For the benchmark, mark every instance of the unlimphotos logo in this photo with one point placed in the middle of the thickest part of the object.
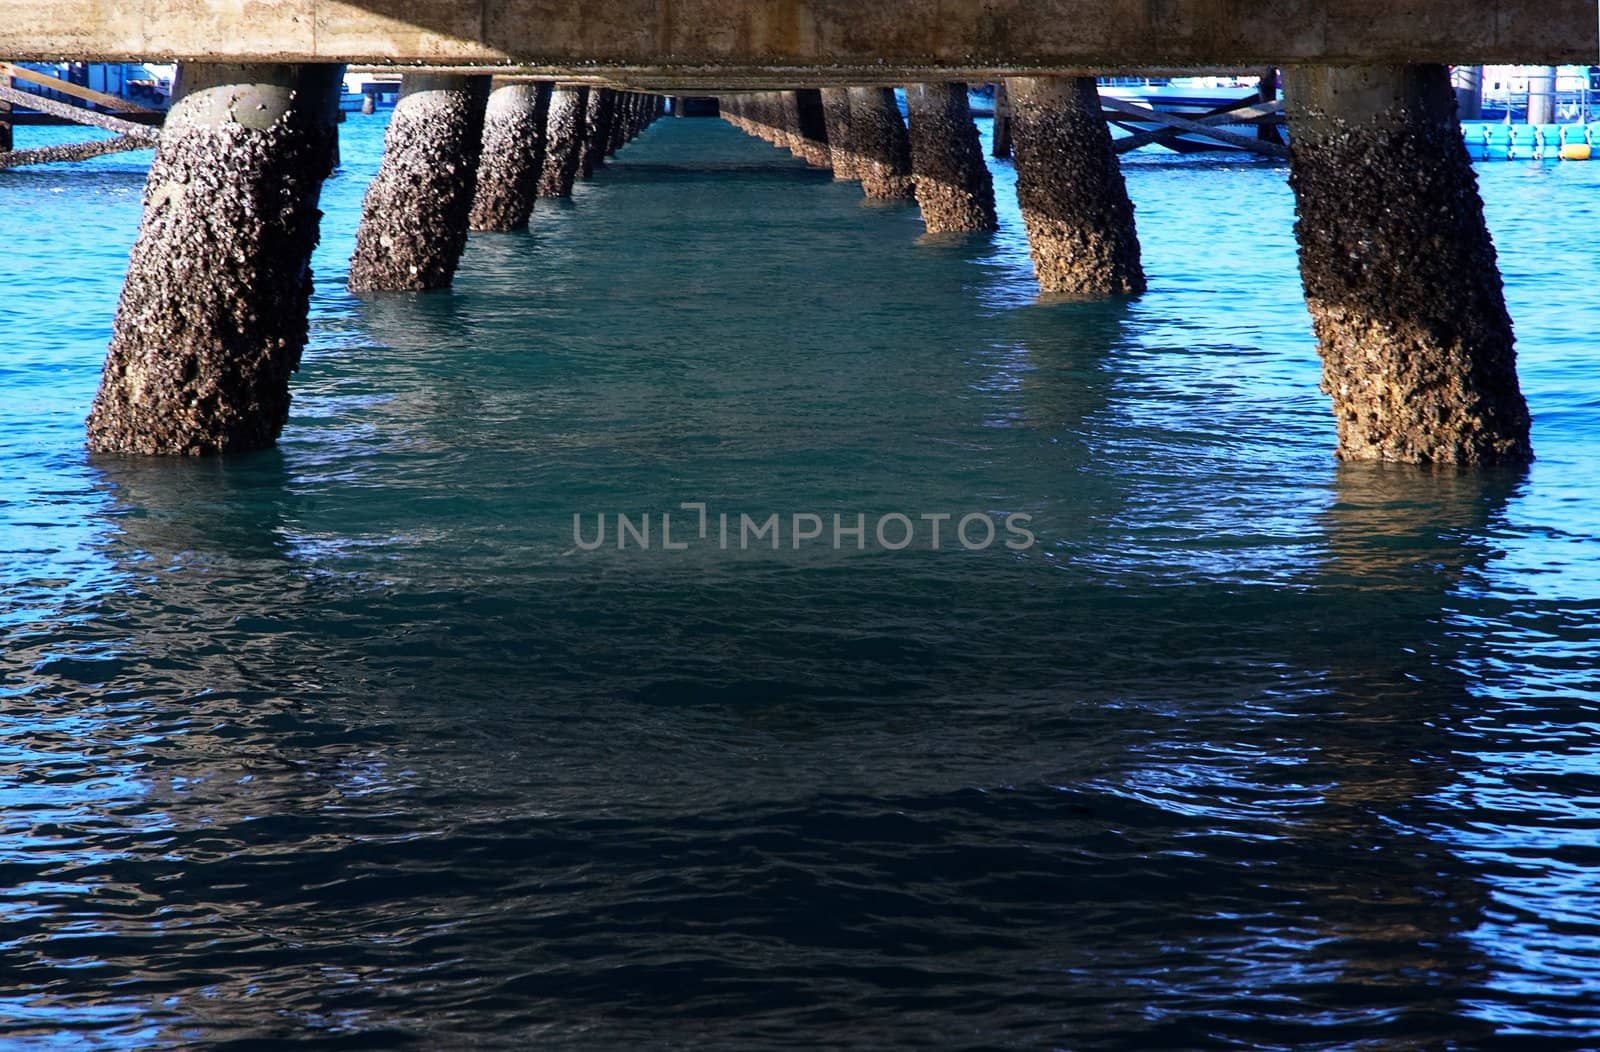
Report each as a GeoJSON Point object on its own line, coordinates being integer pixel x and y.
{"type": "Point", "coordinates": [778, 531]}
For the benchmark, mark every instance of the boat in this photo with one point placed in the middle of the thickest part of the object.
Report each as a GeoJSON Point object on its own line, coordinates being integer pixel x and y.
{"type": "Point", "coordinates": [1191, 97]}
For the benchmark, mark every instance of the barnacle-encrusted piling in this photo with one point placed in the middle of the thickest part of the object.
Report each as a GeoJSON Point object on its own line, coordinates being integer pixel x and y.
{"type": "Point", "coordinates": [1399, 269]}
{"type": "Point", "coordinates": [879, 145]}
{"type": "Point", "coordinates": [565, 125]}
{"type": "Point", "coordinates": [1069, 184]}
{"type": "Point", "coordinates": [789, 119]}
{"type": "Point", "coordinates": [212, 318]}
{"type": "Point", "coordinates": [811, 129]}
{"type": "Point", "coordinates": [1001, 147]}
{"type": "Point", "coordinates": [621, 113]}
{"type": "Point", "coordinates": [414, 218]}
{"type": "Point", "coordinates": [597, 131]}
{"type": "Point", "coordinates": [953, 184]}
{"type": "Point", "coordinates": [513, 156]}
{"type": "Point", "coordinates": [836, 118]}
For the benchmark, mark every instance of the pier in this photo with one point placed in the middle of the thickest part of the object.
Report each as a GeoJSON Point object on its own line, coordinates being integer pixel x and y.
{"type": "Point", "coordinates": [1369, 105]}
{"type": "Point", "coordinates": [792, 524]}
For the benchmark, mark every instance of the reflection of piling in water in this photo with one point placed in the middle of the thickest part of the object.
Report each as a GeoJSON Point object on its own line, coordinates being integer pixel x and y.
{"type": "Point", "coordinates": [1401, 540]}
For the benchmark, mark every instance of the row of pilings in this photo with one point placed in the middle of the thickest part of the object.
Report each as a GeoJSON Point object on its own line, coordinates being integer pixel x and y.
{"type": "Point", "coordinates": [1069, 184]}
{"type": "Point", "coordinates": [1399, 270]}
{"type": "Point", "coordinates": [213, 315]}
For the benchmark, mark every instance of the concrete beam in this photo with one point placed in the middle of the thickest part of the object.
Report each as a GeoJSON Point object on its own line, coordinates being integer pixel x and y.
{"type": "Point", "coordinates": [962, 39]}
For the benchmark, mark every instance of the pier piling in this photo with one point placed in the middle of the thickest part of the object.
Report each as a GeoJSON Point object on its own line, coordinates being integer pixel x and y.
{"type": "Point", "coordinates": [212, 319]}
{"type": "Point", "coordinates": [1070, 187]}
{"type": "Point", "coordinates": [415, 215]}
{"type": "Point", "coordinates": [812, 129]}
{"type": "Point", "coordinates": [597, 131]}
{"type": "Point", "coordinates": [1399, 269]}
{"type": "Point", "coordinates": [880, 145]}
{"type": "Point", "coordinates": [564, 135]}
{"type": "Point", "coordinates": [953, 185]}
{"type": "Point", "coordinates": [836, 118]}
{"type": "Point", "coordinates": [512, 157]}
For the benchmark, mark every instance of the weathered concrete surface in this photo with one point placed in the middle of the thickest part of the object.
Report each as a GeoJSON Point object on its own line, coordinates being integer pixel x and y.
{"type": "Point", "coordinates": [513, 157]}
{"type": "Point", "coordinates": [789, 120]}
{"type": "Point", "coordinates": [1002, 122]}
{"type": "Point", "coordinates": [982, 39]}
{"type": "Point", "coordinates": [812, 129]}
{"type": "Point", "coordinates": [212, 318]}
{"type": "Point", "coordinates": [836, 118]}
{"type": "Point", "coordinates": [771, 119]}
{"type": "Point", "coordinates": [1399, 270]}
{"type": "Point", "coordinates": [565, 127]}
{"type": "Point", "coordinates": [880, 145]}
{"type": "Point", "coordinates": [622, 114]}
{"type": "Point", "coordinates": [414, 218]}
{"type": "Point", "coordinates": [1070, 186]}
{"type": "Point", "coordinates": [597, 131]}
{"type": "Point", "coordinates": [953, 185]}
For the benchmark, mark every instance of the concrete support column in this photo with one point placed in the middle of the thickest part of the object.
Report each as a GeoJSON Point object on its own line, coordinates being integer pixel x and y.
{"type": "Point", "coordinates": [769, 118]}
{"type": "Point", "coordinates": [836, 118]}
{"type": "Point", "coordinates": [1267, 91]}
{"type": "Point", "coordinates": [1069, 184]}
{"type": "Point", "coordinates": [735, 109]}
{"type": "Point", "coordinates": [953, 184]}
{"type": "Point", "coordinates": [6, 142]}
{"type": "Point", "coordinates": [414, 218]}
{"type": "Point", "coordinates": [1001, 147]}
{"type": "Point", "coordinates": [212, 318]}
{"type": "Point", "coordinates": [1542, 96]}
{"type": "Point", "coordinates": [789, 119]}
{"type": "Point", "coordinates": [627, 127]}
{"type": "Point", "coordinates": [618, 134]}
{"type": "Point", "coordinates": [1399, 270]}
{"type": "Point", "coordinates": [879, 144]}
{"type": "Point", "coordinates": [813, 129]}
{"type": "Point", "coordinates": [564, 133]}
{"type": "Point", "coordinates": [597, 130]}
{"type": "Point", "coordinates": [513, 156]}
{"type": "Point", "coordinates": [774, 120]}
{"type": "Point", "coordinates": [1469, 96]}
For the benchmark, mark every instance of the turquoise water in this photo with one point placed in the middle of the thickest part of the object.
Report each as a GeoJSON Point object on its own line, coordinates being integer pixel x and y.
{"type": "Point", "coordinates": [349, 742]}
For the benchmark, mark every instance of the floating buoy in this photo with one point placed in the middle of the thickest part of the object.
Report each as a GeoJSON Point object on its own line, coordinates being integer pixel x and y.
{"type": "Point", "coordinates": [1575, 151]}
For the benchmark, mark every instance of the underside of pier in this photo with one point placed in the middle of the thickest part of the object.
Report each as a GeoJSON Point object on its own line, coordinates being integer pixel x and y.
{"type": "Point", "coordinates": [654, 44]}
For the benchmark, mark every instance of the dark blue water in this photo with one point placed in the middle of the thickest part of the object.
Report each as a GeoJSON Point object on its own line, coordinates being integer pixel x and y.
{"type": "Point", "coordinates": [350, 743]}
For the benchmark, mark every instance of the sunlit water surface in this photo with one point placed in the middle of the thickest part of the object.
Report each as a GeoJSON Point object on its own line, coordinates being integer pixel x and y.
{"type": "Point", "coordinates": [348, 742]}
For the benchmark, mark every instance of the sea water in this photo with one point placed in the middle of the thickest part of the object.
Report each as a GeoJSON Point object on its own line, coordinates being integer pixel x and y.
{"type": "Point", "coordinates": [352, 741]}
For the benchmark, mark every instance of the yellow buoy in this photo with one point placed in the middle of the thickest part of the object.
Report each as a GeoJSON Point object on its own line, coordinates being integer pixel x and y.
{"type": "Point", "coordinates": [1575, 151]}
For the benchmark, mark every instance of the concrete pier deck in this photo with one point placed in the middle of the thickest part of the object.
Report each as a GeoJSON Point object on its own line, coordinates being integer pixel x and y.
{"type": "Point", "coordinates": [793, 43]}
